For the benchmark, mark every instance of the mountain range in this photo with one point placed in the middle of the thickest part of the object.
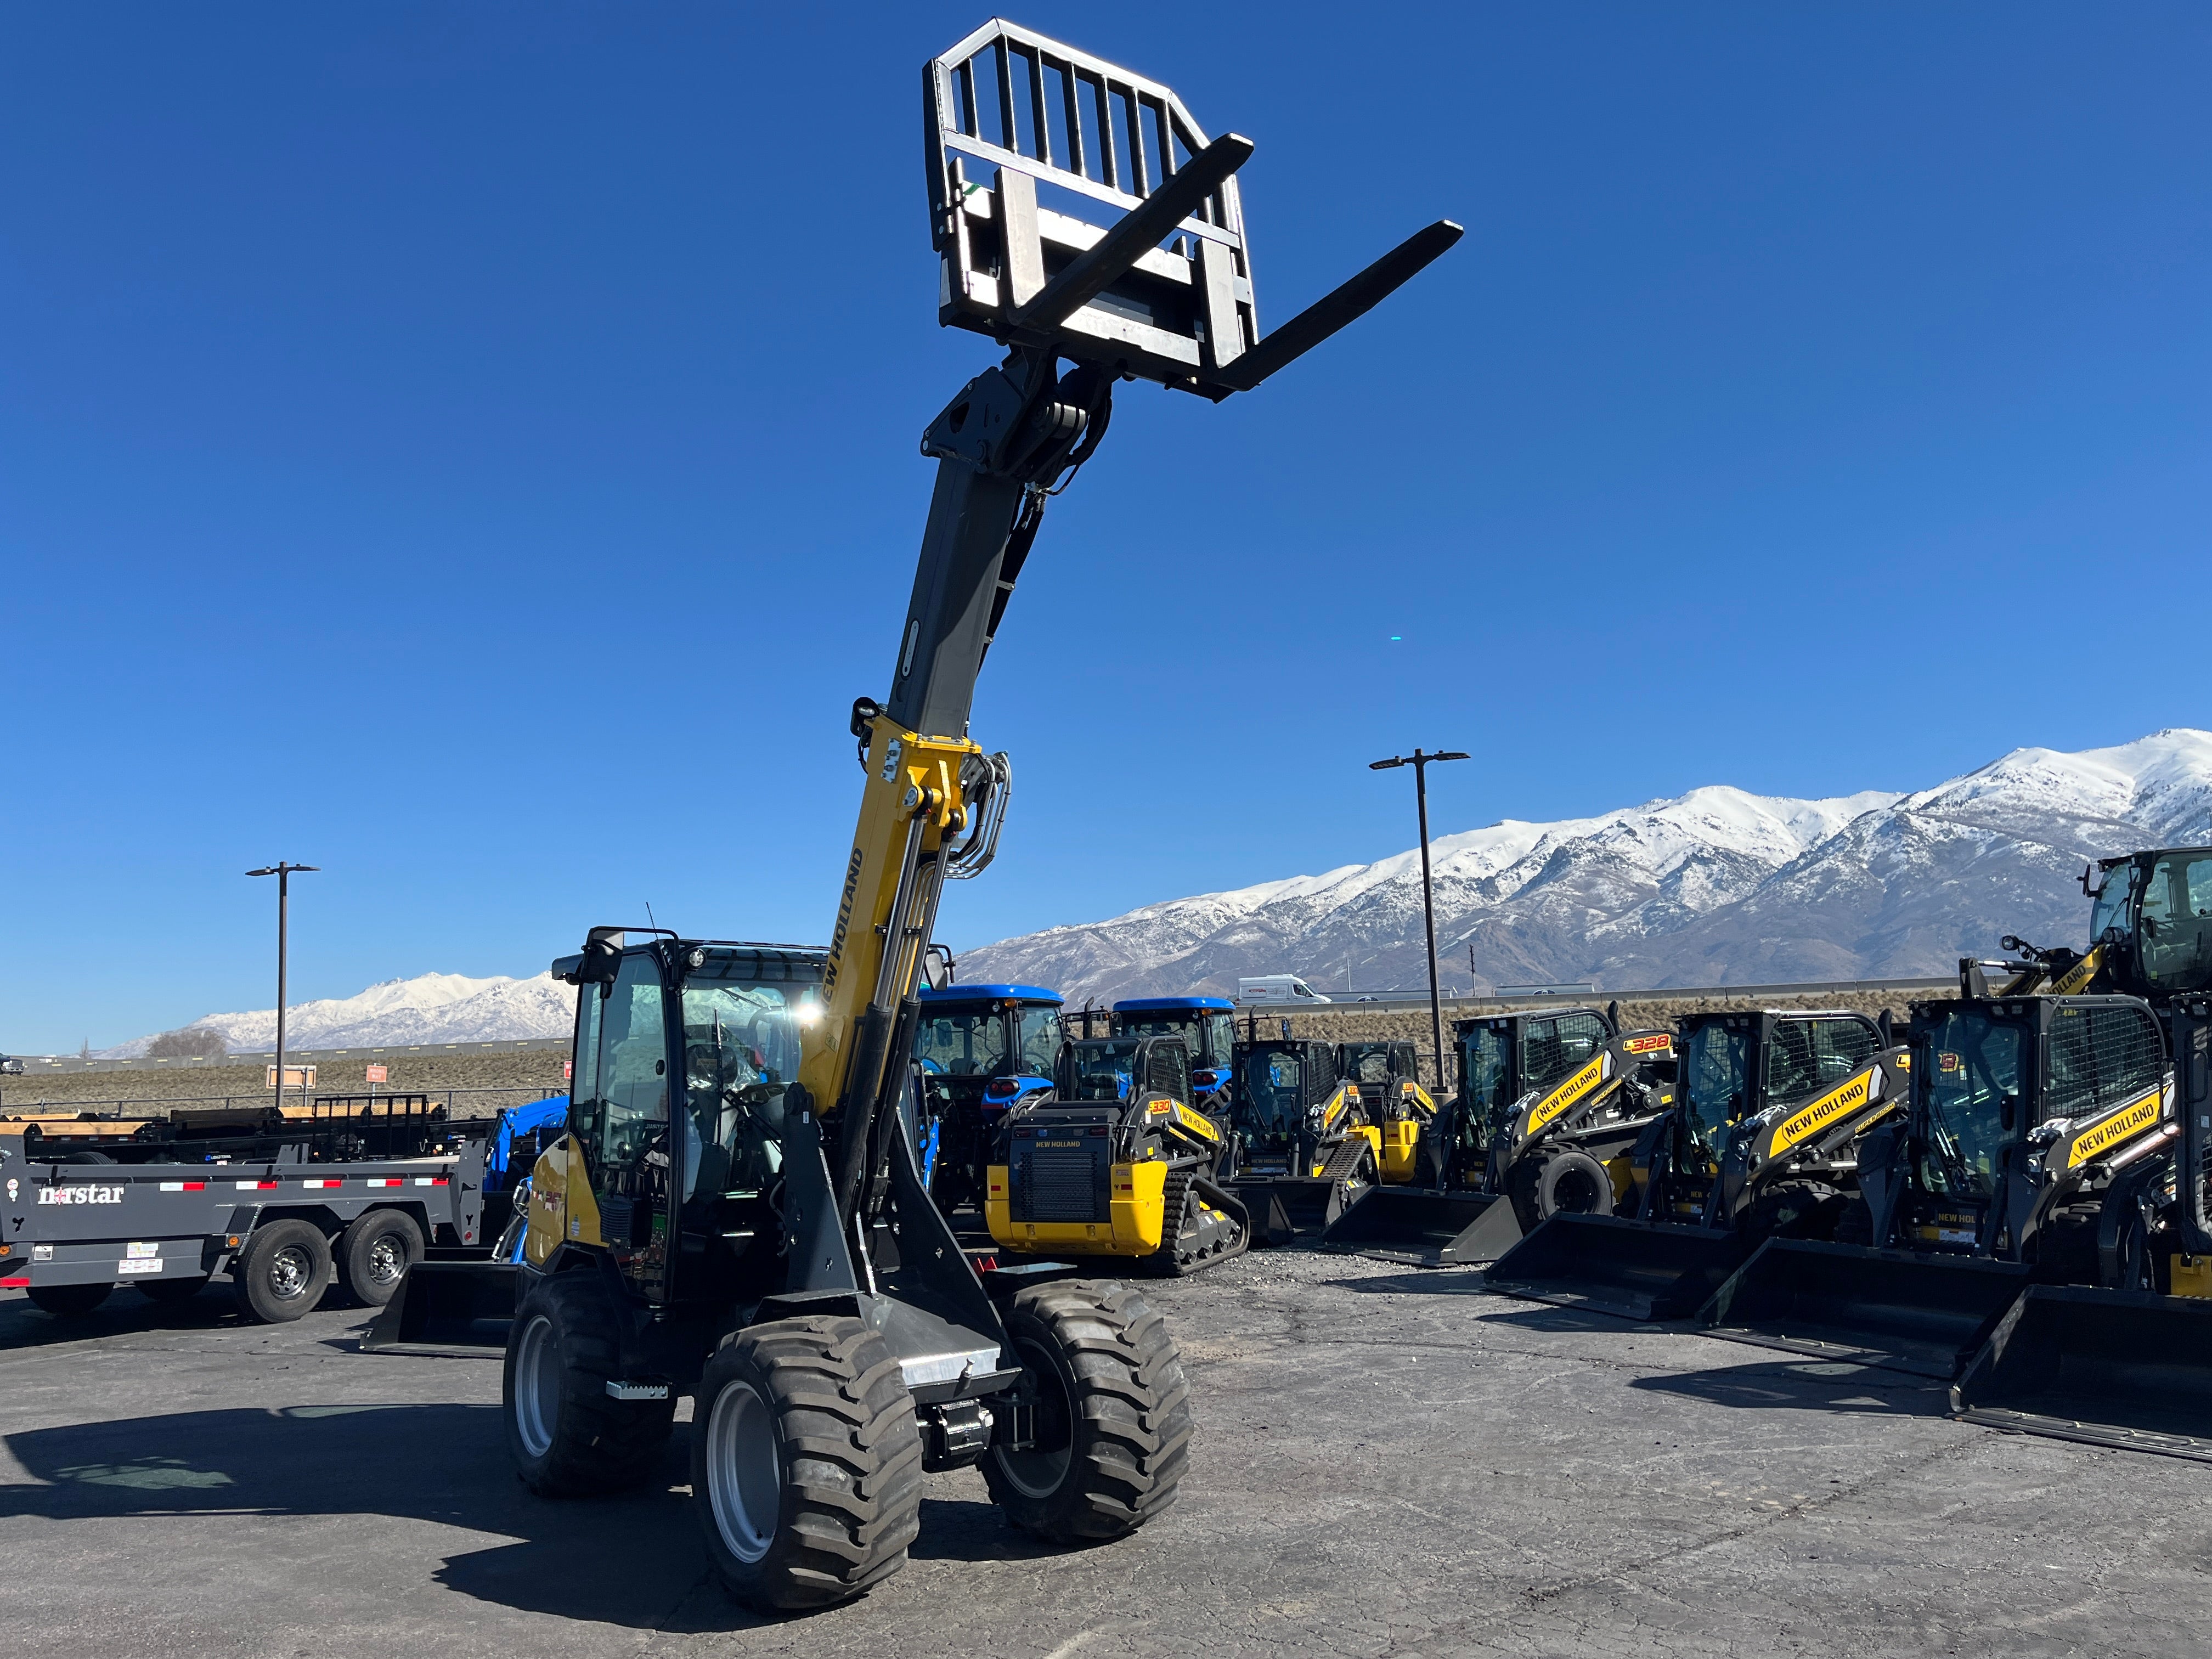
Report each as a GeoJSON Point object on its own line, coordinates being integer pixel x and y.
{"type": "Point", "coordinates": [1714, 887]}
{"type": "Point", "coordinates": [429, 1008]}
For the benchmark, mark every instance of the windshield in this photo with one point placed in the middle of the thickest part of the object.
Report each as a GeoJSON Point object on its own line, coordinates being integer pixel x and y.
{"type": "Point", "coordinates": [1367, 1062]}
{"type": "Point", "coordinates": [2109, 909]}
{"type": "Point", "coordinates": [971, 1043]}
{"type": "Point", "coordinates": [1040, 1041]}
{"type": "Point", "coordinates": [1716, 1082]}
{"type": "Point", "coordinates": [1189, 1024]}
{"type": "Point", "coordinates": [1971, 1086]}
{"type": "Point", "coordinates": [1486, 1055]}
{"type": "Point", "coordinates": [1098, 1070]}
{"type": "Point", "coordinates": [741, 1049]}
{"type": "Point", "coordinates": [1273, 1097]}
{"type": "Point", "coordinates": [1220, 1040]}
{"type": "Point", "coordinates": [2176, 921]}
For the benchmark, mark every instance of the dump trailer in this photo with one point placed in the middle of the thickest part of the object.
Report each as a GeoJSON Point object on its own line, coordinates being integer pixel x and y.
{"type": "Point", "coordinates": [286, 1203]}
{"type": "Point", "coordinates": [1760, 1142]}
{"type": "Point", "coordinates": [2045, 1146]}
{"type": "Point", "coordinates": [1117, 1161]}
{"type": "Point", "coordinates": [1297, 1155]}
{"type": "Point", "coordinates": [983, 1050]}
{"type": "Point", "coordinates": [1207, 1026]}
{"type": "Point", "coordinates": [1548, 1105]}
{"type": "Point", "coordinates": [737, 1214]}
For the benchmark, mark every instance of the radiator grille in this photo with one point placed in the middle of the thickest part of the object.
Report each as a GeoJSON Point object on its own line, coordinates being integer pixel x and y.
{"type": "Point", "coordinates": [1060, 1180]}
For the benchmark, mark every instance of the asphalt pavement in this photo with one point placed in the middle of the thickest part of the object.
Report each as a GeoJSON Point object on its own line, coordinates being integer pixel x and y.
{"type": "Point", "coordinates": [1388, 1462]}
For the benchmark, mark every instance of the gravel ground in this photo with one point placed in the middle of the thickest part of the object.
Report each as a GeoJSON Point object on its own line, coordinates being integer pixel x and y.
{"type": "Point", "coordinates": [1387, 1462]}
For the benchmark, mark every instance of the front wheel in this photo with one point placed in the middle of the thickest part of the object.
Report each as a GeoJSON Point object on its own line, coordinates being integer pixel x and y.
{"type": "Point", "coordinates": [805, 1462]}
{"type": "Point", "coordinates": [1106, 1409]}
{"type": "Point", "coordinates": [282, 1272]}
{"type": "Point", "coordinates": [570, 1438]}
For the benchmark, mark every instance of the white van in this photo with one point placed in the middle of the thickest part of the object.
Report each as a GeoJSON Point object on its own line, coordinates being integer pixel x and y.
{"type": "Point", "coordinates": [1276, 987]}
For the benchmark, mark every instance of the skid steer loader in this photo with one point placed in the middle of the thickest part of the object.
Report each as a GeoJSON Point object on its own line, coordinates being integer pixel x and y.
{"type": "Point", "coordinates": [1117, 1161]}
{"type": "Point", "coordinates": [735, 1213]}
{"type": "Point", "coordinates": [1297, 1155]}
{"type": "Point", "coordinates": [1549, 1105]}
{"type": "Point", "coordinates": [2043, 1145]}
{"type": "Point", "coordinates": [1400, 1118]}
{"type": "Point", "coordinates": [1760, 1142]}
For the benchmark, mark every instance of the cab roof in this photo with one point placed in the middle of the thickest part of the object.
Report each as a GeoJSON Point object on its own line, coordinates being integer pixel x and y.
{"type": "Point", "coordinates": [1150, 1005]}
{"type": "Point", "coordinates": [990, 993]}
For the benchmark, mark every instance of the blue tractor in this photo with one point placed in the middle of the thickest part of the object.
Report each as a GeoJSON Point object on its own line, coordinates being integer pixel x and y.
{"type": "Point", "coordinates": [1207, 1026]}
{"type": "Point", "coordinates": [980, 1050]}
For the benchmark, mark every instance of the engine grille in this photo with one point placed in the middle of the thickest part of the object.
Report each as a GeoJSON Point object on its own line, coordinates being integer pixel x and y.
{"type": "Point", "coordinates": [1061, 1178]}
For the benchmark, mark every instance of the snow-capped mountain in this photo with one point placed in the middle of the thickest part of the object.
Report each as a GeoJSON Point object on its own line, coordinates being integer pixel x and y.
{"type": "Point", "coordinates": [1715, 887]}
{"type": "Point", "coordinates": [430, 1008]}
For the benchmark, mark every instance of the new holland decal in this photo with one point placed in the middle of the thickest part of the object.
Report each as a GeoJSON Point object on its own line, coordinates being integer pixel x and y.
{"type": "Point", "coordinates": [1809, 1120]}
{"type": "Point", "coordinates": [1552, 1105]}
{"type": "Point", "coordinates": [2101, 1137]}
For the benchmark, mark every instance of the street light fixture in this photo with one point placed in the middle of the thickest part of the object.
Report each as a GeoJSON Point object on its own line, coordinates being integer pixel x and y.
{"type": "Point", "coordinates": [283, 872]}
{"type": "Point", "coordinates": [1420, 761]}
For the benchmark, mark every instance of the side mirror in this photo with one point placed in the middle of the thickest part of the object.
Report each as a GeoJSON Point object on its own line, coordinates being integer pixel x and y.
{"type": "Point", "coordinates": [602, 959]}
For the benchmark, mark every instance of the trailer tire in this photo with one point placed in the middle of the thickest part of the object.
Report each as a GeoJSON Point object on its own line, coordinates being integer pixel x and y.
{"type": "Point", "coordinates": [282, 1272]}
{"type": "Point", "coordinates": [374, 1253]}
{"type": "Point", "coordinates": [569, 1437]}
{"type": "Point", "coordinates": [171, 1292]}
{"type": "Point", "coordinates": [68, 1301]}
{"type": "Point", "coordinates": [805, 1462]}
{"type": "Point", "coordinates": [1111, 1410]}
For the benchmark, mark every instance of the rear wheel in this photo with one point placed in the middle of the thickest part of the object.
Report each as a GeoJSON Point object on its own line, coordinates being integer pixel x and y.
{"type": "Point", "coordinates": [374, 1253]}
{"type": "Point", "coordinates": [1108, 1410]}
{"type": "Point", "coordinates": [68, 1301]}
{"type": "Point", "coordinates": [805, 1462]}
{"type": "Point", "coordinates": [570, 1438]}
{"type": "Point", "coordinates": [282, 1272]}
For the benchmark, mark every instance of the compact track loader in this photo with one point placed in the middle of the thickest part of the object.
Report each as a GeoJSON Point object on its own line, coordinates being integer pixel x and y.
{"type": "Point", "coordinates": [1401, 1117]}
{"type": "Point", "coordinates": [1760, 1142]}
{"type": "Point", "coordinates": [1549, 1105]}
{"type": "Point", "coordinates": [2046, 1186]}
{"type": "Point", "coordinates": [1117, 1161]}
{"type": "Point", "coordinates": [983, 1050]}
{"type": "Point", "coordinates": [1297, 1152]}
{"type": "Point", "coordinates": [737, 1212]}
{"type": "Point", "coordinates": [1207, 1026]}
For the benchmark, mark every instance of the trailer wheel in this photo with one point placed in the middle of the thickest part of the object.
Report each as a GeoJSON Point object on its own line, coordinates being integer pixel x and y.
{"type": "Point", "coordinates": [1110, 1413]}
{"type": "Point", "coordinates": [805, 1462]}
{"type": "Point", "coordinates": [68, 1301]}
{"type": "Point", "coordinates": [569, 1437]}
{"type": "Point", "coordinates": [168, 1292]}
{"type": "Point", "coordinates": [374, 1253]}
{"type": "Point", "coordinates": [282, 1272]}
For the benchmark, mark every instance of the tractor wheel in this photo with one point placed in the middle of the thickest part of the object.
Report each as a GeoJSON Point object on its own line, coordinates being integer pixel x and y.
{"type": "Point", "coordinates": [569, 1439]}
{"type": "Point", "coordinates": [1106, 1409]}
{"type": "Point", "coordinates": [805, 1462]}
{"type": "Point", "coordinates": [1797, 1209]}
{"type": "Point", "coordinates": [374, 1253]}
{"type": "Point", "coordinates": [282, 1272]}
{"type": "Point", "coordinates": [68, 1301]}
{"type": "Point", "coordinates": [1570, 1183]}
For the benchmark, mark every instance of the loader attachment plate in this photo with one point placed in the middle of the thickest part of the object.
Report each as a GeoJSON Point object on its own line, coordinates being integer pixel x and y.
{"type": "Point", "coordinates": [1632, 1269]}
{"type": "Point", "coordinates": [2126, 1369]}
{"type": "Point", "coordinates": [1430, 1229]}
{"type": "Point", "coordinates": [1284, 1206]}
{"type": "Point", "coordinates": [1905, 1312]}
{"type": "Point", "coordinates": [448, 1304]}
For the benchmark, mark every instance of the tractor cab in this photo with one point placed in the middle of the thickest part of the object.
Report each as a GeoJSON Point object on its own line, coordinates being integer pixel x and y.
{"type": "Point", "coordinates": [2150, 919]}
{"type": "Point", "coordinates": [1207, 1026]}
{"type": "Point", "coordinates": [982, 1050]}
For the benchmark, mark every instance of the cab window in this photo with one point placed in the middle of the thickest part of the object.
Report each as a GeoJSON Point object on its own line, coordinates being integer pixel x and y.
{"type": "Point", "coordinates": [1220, 1038]}
{"type": "Point", "coordinates": [1040, 1045]}
{"type": "Point", "coordinates": [1170, 1072]}
{"type": "Point", "coordinates": [2100, 1059]}
{"type": "Point", "coordinates": [1807, 1056]}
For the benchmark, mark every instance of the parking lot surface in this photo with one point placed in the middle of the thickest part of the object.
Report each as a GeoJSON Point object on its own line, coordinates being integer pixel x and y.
{"type": "Point", "coordinates": [1388, 1462]}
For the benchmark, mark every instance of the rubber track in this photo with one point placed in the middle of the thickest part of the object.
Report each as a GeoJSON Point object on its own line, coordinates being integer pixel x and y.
{"type": "Point", "coordinates": [1136, 1403]}
{"type": "Point", "coordinates": [1176, 1200]}
{"type": "Point", "coordinates": [849, 1427]}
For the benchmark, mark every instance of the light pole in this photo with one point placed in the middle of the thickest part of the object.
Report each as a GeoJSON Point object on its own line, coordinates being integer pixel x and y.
{"type": "Point", "coordinates": [1419, 761]}
{"type": "Point", "coordinates": [283, 872]}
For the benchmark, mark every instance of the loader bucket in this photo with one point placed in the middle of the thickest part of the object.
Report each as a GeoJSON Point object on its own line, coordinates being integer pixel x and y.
{"type": "Point", "coordinates": [2115, 1368]}
{"type": "Point", "coordinates": [1922, 1314]}
{"type": "Point", "coordinates": [1435, 1230]}
{"type": "Point", "coordinates": [448, 1304]}
{"type": "Point", "coordinates": [1283, 1207]}
{"type": "Point", "coordinates": [1635, 1269]}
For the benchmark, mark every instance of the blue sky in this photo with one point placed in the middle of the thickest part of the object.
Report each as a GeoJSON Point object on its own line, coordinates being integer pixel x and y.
{"type": "Point", "coordinates": [473, 449]}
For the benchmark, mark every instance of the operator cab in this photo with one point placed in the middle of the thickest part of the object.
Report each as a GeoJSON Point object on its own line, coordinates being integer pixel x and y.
{"type": "Point", "coordinates": [1207, 1026]}
{"type": "Point", "coordinates": [982, 1050]}
{"type": "Point", "coordinates": [2152, 913]}
{"type": "Point", "coordinates": [1503, 1057]}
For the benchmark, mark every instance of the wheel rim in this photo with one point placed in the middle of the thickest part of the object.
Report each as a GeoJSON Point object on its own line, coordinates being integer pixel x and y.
{"type": "Point", "coordinates": [289, 1270]}
{"type": "Point", "coordinates": [387, 1260]}
{"type": "Point", "coordinates": [1041, 1471]}
{"type": "Point", "coordinates": [1574, 1194]}
{"type": "Point", "coordinates": [536, 1386]}
{"type": "Point", "coordinates": [745, 1476]}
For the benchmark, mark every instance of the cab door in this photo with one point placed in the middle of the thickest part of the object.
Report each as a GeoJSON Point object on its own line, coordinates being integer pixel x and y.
{"type": "Point", "coordinates": [619, 1116]}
